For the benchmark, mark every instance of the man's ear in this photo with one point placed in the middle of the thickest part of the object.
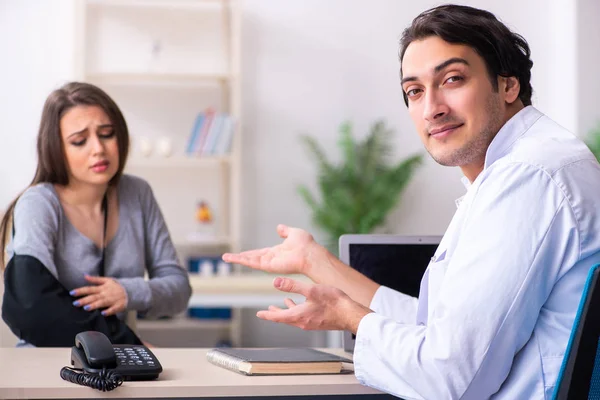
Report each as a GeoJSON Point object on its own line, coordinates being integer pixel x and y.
{"type": "Point", "coordinates": [509, 87]}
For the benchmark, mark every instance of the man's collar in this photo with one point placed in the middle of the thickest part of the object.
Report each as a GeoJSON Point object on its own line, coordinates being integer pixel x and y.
{"type": "Point", "coordinates": [466, 182]}
{"type": "Point", "coordinates": [512, 130]}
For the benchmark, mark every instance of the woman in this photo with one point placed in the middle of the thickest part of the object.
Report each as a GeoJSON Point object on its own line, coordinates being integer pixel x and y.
{"type": "Point", "coordinates": [84, 234]}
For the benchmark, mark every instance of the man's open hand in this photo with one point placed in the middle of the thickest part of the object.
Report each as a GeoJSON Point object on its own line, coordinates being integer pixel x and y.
{"type": "Point", "coordinates": [325, 308]}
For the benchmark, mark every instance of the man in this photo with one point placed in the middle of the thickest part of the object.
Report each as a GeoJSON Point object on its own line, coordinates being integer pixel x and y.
{"type": "Point", "coordinates": [499, 297]}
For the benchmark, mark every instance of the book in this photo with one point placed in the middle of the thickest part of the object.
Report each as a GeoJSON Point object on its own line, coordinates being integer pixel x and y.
{"type": "Point", "coordinates": [277, 361]}
{"type": "Point", "coordinates": [194, 134]}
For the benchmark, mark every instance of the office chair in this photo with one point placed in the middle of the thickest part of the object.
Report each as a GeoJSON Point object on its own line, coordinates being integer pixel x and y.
{"type": "Point", "coordinates": [579, 376]}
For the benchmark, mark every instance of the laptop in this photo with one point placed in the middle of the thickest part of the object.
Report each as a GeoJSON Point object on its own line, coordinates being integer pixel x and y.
{"type": "Point", "coordinates": [395, 261]}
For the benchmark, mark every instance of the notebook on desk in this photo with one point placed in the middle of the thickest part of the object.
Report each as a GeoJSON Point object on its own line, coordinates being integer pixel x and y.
{"type": "Point", "coordinates": [277, 361]}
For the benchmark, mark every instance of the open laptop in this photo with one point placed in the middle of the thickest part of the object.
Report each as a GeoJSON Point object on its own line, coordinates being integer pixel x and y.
{"type": "Point", "coordinates": [395, 261]}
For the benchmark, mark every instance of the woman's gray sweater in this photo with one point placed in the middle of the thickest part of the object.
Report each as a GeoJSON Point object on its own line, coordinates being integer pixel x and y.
{"type": "Point", "coordinates": [141, 243]}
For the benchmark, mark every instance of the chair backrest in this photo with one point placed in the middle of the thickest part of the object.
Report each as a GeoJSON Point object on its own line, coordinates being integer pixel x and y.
{"type": "Point", "coordinates": [579, 376]}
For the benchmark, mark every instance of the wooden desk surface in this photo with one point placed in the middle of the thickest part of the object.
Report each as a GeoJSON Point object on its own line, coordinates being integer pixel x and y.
{"type": "Point", "coordinates": [30, 373]}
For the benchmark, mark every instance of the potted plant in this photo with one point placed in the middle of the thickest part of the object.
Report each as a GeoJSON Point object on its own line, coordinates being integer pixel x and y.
{"type": "Point", "coordinates": [593, 141]}
{"type": "Point", "coordinates": [357, 194]}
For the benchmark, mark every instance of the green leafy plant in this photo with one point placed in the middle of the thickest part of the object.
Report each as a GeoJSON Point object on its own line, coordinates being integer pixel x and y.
{"type": "Point", "coordinates": [593, 141]}
{"type": "Point", "coordinates": [357, 194]}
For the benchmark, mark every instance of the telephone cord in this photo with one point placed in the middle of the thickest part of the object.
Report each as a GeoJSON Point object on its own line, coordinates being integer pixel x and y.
{"type": "Point", "coordinates": [105, 381]}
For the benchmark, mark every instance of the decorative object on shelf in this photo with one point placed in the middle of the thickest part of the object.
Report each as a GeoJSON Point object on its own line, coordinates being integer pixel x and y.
{"type": "Point", "coordinates": [223, 268]}
{"type": "Point", "coordinates": [144, 146]}
{"type": "Point", "coordinates": [206, 228]}
{"type": "Point", "coordinates": [593, 141]}
{"type": "Point", "coordinates": [203, 213]}
{"type": "Point", "coordinates": [358, 193]}
{"type": "Point", "coordinates": [164, 146]}
{"type": "Point", "coordinates": [207, 263]}
{"type": "Point", "coordinates": [207, 268]}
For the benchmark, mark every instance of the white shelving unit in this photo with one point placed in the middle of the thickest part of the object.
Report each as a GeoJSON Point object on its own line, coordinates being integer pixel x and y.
{"type": "Point", "coordinates": [163, 62]}
{"type": "Point", "coordinates": [182, 322]}
{"type": "Point", "coordinates": [195, 163]}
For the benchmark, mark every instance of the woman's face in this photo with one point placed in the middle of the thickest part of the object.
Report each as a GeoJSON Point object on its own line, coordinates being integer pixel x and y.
{"type": "Point", "coordinates": [90, 144]}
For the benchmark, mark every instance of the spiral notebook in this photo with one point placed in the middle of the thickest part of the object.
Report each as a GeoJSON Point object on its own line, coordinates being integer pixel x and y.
{"type": "Point", "coordinates": [277, 361]}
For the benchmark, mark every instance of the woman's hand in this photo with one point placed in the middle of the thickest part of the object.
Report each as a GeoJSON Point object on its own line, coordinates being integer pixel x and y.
{"type": "Point", "coordinates": [295, 255]}
{"type": "Point", "coordinates": [105, 293]}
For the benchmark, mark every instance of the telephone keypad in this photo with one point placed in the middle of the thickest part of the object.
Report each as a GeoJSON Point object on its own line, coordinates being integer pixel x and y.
{"type": "Point", "coordinates": [134, 357]}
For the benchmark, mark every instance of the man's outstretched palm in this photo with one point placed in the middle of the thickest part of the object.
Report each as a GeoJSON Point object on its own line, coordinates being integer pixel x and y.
{"type": "Point", "coordinates": [289, 257]}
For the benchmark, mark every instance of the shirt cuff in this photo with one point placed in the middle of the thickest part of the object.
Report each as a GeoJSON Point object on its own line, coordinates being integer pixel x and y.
{"type": "Point", "coordinates": [138, 292]}
{"type": "Point", "coordinates": [363, 350]}
{"type": "Point", "coordinates": [378, 298]}
{"type": "Point", "coordinates": [395, 305]}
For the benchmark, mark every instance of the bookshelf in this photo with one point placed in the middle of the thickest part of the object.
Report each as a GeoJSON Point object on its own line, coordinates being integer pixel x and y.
{"type": "Point", "coordinates": [164, 62]}
{"type": "Point", "coordinates": [182, 322]}
{"type": "Point", "coordinates": [179, 162]}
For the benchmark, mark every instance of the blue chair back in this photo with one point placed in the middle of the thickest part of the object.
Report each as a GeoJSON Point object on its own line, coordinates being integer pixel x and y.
{"type": "Point", "coordinates": [579, 376]}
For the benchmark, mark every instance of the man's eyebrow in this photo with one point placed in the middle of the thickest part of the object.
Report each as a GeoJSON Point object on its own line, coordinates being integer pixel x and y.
{"type": "Point", "coordinates": [438, 68]}
{"type": "Point", "coordinates": [453, 60]}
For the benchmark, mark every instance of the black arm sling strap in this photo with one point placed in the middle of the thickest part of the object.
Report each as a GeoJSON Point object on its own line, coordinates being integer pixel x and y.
{"type": "Point", "coordinates": [102, 267]}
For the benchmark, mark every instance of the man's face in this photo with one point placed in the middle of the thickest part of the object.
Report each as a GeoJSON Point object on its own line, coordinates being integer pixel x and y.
{"type": "Point", "coordinates": [451, 101]}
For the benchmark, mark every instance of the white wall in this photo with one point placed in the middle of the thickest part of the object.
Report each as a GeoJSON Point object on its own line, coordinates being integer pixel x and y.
{"type": "Point", "coordinates": [36, 43]}
{"type": "Point", "coordinates": [588, 64]}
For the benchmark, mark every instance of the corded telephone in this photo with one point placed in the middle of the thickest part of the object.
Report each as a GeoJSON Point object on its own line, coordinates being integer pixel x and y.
{"type": "Point", "coordinates": [100, 364]}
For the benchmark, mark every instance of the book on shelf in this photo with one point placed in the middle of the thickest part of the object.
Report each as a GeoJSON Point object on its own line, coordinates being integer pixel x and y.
{"type": "Point", "coordinates": [211, 134]}
{"type": "Point", "coordinates": [209, 117]}
{"type": "Point", "coordinates": [277, 361]}
{"type": "Point", "coordinates": [194, 134]}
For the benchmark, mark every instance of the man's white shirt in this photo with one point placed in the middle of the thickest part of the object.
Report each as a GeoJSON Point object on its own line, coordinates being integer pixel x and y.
{"type": "Point", "coordinates": [499, 297]}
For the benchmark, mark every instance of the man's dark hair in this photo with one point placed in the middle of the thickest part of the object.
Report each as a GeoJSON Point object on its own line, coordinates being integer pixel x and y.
{"type": "Point", "coordinates": [505, 53]}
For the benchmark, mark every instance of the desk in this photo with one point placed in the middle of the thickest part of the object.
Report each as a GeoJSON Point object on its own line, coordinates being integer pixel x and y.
{"type": "Point", "coordinates": [34, 374]}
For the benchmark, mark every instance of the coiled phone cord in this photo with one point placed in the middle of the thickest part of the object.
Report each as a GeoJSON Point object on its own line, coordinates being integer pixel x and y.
{"type": "Point", "coordinates": [105, 381]}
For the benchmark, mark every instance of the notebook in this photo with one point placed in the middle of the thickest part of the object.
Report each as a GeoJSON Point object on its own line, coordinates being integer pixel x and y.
{"type": "Point", "coordinates": [277, 361]}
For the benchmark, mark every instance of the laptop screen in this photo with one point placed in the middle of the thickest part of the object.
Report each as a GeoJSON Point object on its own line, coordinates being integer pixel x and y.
{"type": "Point", "coordinates": [397, 266]}
{"type": "Point", "coordinates": [395, 261]}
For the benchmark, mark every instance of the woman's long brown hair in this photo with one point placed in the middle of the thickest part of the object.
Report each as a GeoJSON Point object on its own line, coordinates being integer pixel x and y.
{"type": "Point", "coordinates": [51, 167]}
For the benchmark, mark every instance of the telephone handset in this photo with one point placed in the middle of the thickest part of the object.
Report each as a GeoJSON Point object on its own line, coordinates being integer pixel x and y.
{"type": "Point", "coordinates": [92, 352]}
{"type": "Point", "coordinates": [100, 364]}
